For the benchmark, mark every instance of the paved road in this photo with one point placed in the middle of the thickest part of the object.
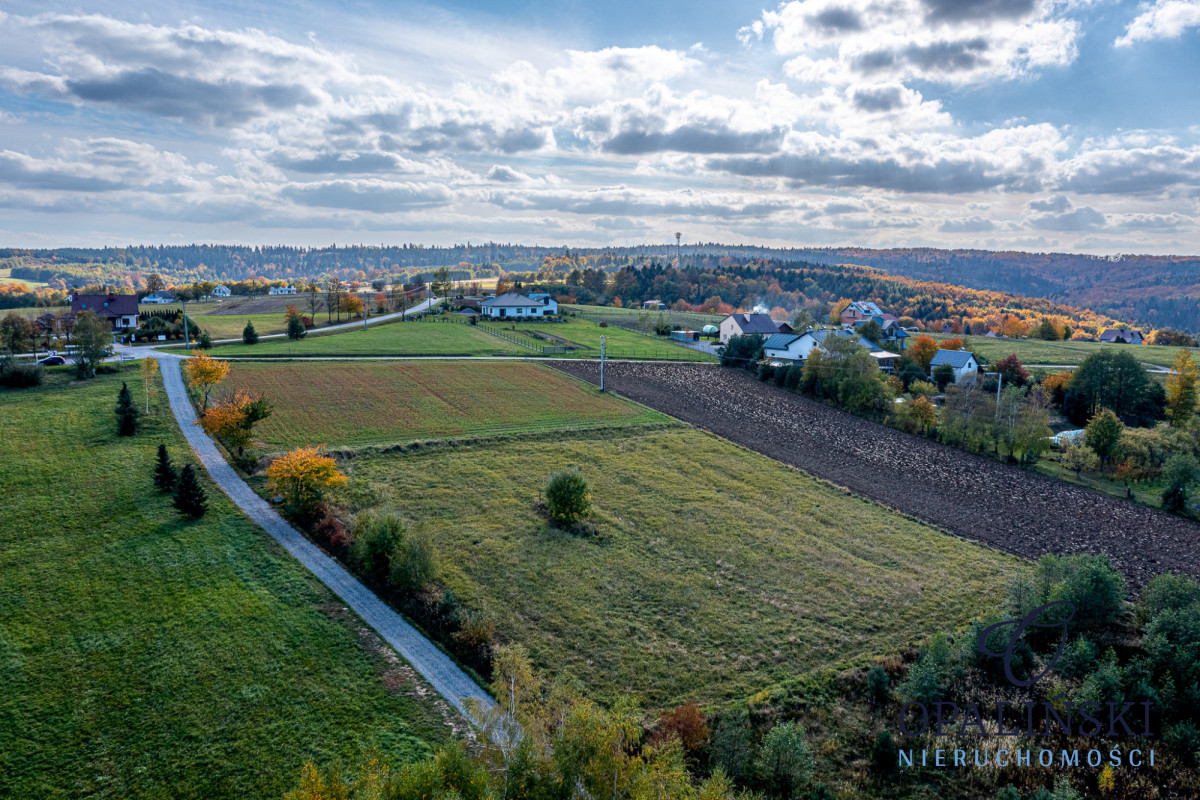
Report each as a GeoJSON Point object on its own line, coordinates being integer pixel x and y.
{"type": "Point", "coordinates": [435, 666]}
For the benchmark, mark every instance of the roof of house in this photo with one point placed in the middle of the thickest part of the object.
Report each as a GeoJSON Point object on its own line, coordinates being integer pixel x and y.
{"type": "Point", "coordinates": [755, 323]}
{"type": "Point", "coordinates": [822, 335]}
{"type": "Point", "coordinates": [866, 307]}
{"type": "Point", "coordinates": [161, 294]}
{"type": "Point", "coordinates": [106, 305]}
{"type": "Point", "coordinates": [510, 300]}
{"type": "Point", "coordinates": [955, 358]}
{"type": "Point", "coordinates": [780, 341]}
{"type": "Point", "coordinates": [1119, 333]}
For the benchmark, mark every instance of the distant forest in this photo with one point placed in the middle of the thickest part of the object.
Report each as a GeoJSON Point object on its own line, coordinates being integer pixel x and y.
{"type": "Point", "coordinates": [1155, 291]}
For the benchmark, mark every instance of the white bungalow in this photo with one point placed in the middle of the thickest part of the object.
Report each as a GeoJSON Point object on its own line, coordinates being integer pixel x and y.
{"type": "Point", "coordinates": [964, 364]}
{"type": "Point", "coordinates": [521, 306]}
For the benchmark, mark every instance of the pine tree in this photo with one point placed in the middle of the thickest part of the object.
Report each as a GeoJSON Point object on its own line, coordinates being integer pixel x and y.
{"type": "Point", "coordinates": [295, 328]}
{"type": "Point", "coordinates": [249, 335]}
{"type": "Point", "coordinates": [189, 494]}
{"type": "Point", "coordinates": [165, 476]}
{"type": "Point", "coordinates": [204, 342]}
{"type": "Point", "coordinates": [126, 413]}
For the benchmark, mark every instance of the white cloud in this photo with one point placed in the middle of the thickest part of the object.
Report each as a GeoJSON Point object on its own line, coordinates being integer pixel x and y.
{"type": "Point", "coordinates": [1163, 19]}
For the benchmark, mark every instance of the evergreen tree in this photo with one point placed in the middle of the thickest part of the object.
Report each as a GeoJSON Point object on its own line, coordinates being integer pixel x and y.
{"type": "Point", "coordinates": [126, 413]}
{"type": "Point", "coordinates": [295, 328]}
{"type": "Point", "coordinates": [205, 341]}
{"type": "Point", "coordinates": [165, 476]}
{"type": "Point", "coordinates": [189, 494]}
{"type": "Point", "coordinates": [249, 335]}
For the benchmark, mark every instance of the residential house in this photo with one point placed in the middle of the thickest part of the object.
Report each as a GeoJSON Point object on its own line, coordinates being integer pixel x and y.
{"type": "Point", "coordinates": [546, 300]}
{"type": "Point", "coordinates": [120, 309]}
{"type": "Point", "coordinates": [654, 305]}
{"type": "Point", "coordinates": [511, 304]}
{"type": "Point", "coordinates": [221, 291]}
{"type": "Point", "coordinates": [798, 347]}
{"type": "Point", "coordinates": [966, 367]}
{"type": "Point", "coordinates": [1122, 336]}
{"type": "Point", "coordinates": [744, 324]}
{"type": "Point", "coordinates": [159, 298]}
{"type": "Point", "coordinates": [892, 332]}
{"type": "Point", "coordinates": [860, 311]}
{"type": "Point", "coordinates": [282, 290]}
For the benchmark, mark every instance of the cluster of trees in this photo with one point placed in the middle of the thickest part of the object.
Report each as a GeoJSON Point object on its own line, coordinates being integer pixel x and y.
{"type": "Point", "coordinates": [187, 495]}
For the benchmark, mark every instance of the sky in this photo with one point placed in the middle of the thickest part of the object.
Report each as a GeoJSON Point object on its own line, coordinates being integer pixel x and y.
{"type": "Point", "coordinates": [1067, 125]}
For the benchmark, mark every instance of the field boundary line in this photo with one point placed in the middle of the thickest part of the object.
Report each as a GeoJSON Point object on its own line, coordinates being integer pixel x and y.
{"type": "Point", "coordinates": [445, 676]}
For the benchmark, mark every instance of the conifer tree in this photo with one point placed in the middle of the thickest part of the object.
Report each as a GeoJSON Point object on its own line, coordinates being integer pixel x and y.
{"type": "Point", "coordinates": [126, 413]}
{"type": "Point", "coordinates": [189, 494]}
{"type": "Point", "coordinates": [249, 335]}
{"type": "Point", "coordinates": [165, 476]}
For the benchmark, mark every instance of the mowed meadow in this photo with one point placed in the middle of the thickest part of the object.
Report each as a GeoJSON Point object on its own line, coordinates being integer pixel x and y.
{"type": "Point", "coordinates": [355, 403]}
{"type": "Point", "coordinates": [146, 657]}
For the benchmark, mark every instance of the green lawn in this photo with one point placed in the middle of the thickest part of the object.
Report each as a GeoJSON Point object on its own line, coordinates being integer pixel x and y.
{"type": "Point", "coordinates": [354, 403]}
{"type": "Point", "coordinates": [230, 326]}
{"type": "Point", "coordinates": [715, 572]}
{"type": "Point", "coordinates": [388, 339]}
{"type": "Point", "coordinates": [146, 657]}
{"type": "Point", "coordinates": [1036, 351]}
{"type": "Point", "coordinates": [619, 342]}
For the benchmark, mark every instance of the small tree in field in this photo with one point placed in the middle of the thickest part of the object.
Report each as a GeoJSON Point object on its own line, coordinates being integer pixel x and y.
{"type": "Point", "coordinates": [233, 420]}
{"type": "Point", "coordinates": [1103, 434]}
{"type": "Point", "coordinates": [295, 328]}
{"type": "Point", "coordinates": [204, 372]}
{"type": "Point", "coordinates": [190, 499]}
{"type": "Point", "coordinates": [249, 335]}
{"type": "Point", "coordinates": [126, 412]}
{"type": "Point", "coordinates": [204, 340]}
{"type": "Point", "coordinates": [302, 476]}
{"type": "Point", "coordinates": [568, 497]}
{"type": "Point", "coordinates": [149, 367]}
{"type": "Point", "coordinates": [165, 476]}
{"type": "Point", "coordinates": [1181, 473]}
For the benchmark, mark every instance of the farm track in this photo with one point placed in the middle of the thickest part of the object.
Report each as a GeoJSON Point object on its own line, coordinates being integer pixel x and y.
{"type": "Point", "coordinates": [978, 498]}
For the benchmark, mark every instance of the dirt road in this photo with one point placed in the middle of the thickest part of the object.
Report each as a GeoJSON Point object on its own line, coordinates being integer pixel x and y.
{"type": "Point", "coordinates": [978, 498]}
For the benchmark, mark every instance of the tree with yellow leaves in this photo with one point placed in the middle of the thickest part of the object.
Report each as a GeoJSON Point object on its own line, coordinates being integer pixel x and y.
{"type": "Point", "coordinates": [1182, 390]}
{"type": "Point", "coordinates": [232, 421]}
{"type": "Point", "coordinates": [149, 373]}
{"type": "Point", "coordinates": [302, 476]}
{"type": "Point", "coordinates": [203, 373]}
{"type": "Point", "coordinates": [922, 350]}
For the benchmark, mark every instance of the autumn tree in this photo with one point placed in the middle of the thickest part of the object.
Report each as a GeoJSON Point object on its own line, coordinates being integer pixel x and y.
{"type": "Point", "coordinates": [301, 477]}
{"type": "Point", "coordinates": [149, 368]}
{"type": "Point", "coordinates": [1103, 434]}
{"type": "Point", "coordinates": [919, 416]}
{"type": "Point", "coordinates": [16, 333]}
{"type": "Point", "coordinates": [93, 343]}
{"type": "Point", "coordinates": [232, 421]}
{"type": "Point", "coordinates": [314, 299]}
{"type": "Point", "coordinates": [352, 304]}
{"type": "Point", "coordinates": [1012, 371]}
{"type": "Point", "coordinates": [203, 373]}
{"type": "Point", "coordinates": [1182, 390]}
{"type": "Point", "coordinates": [835, 313]}
{"type": "Point", "coordinates": [1080, 458]}
{"type": "Point", "coordinates": [922, 350]}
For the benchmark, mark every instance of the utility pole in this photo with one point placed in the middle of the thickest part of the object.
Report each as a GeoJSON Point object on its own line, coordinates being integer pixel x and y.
{"type": "Point", "coordinates": [602, 363]}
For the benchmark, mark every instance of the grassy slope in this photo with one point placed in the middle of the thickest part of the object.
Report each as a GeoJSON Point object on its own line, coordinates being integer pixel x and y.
{"type": "Point", "coordinates": [147, 657]}
{"type": "Point", "coordinates": [620, 342]}
{"type": "Point", "coordinates": [715, 574]}
{"type": "Point", "coordinates": [1036, 351]}
{"type": "Point", "coordinates": [357, 403]}
{"type": "Point", "coordinates": [392, 339]}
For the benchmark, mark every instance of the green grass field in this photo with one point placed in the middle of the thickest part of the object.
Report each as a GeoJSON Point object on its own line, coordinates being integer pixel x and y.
{"type": "Point", "coordinates": [388, 339]}
{"type": "Point", "coordinates": [350, 404]}
{"type": "Point", "coordinates": [619, 342]}
{"type": "Point", "coordinates": [715, 572]}
{"type": "Point", "coordinates": [6, 277]}
{"type": "Point", "coordinates": [1036, 351]}
{"type": "Point", "coordinates": [146, 657]}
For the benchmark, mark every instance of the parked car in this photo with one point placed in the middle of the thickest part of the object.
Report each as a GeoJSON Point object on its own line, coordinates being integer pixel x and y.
{"type": "Point", "coordinates": [52, 361]}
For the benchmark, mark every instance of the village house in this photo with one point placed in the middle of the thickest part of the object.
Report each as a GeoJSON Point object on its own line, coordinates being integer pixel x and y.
{"type": "Point", "coordinates": [966, 367]}
{"type": "Point", "coordinates": [221, 291]}
{"type": "Point", "coordinates": [892, 332]}
{"type": "Point", "coordinates": [159, 298]}
{"type": "Point", "coordinates": [511, 304]}
{"type": "Point", "coordinates": [282, 290]}
{"type": "Point", "coordinates": [654, 305]}
{"type": "Point", "coordinates": [860, 311]}
{"type": "Point", "coordinates": [1122, 336]}
{"type": "Point", "coordinates": [796, 348]}
{"type": "Point", "coordinates": [120, 309]}
{"type": "Point", "coordinates": [745, 324]}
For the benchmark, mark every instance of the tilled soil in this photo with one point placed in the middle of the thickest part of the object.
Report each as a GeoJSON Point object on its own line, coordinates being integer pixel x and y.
{"type": "Point", "coordinates": [975, 497]}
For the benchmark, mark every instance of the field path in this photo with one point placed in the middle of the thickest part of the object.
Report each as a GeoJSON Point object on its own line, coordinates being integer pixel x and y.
{"type": "Point", "coordinates": [979, 498]}
{"type": "Point", "coordinates": [435, 666]}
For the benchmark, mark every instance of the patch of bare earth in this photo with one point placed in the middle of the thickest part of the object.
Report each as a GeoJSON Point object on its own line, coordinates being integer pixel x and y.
{"type": "Point", "coordinates": [977, 498]}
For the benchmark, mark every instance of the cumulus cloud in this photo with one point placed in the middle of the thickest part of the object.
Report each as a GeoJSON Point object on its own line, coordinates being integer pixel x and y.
{"type": "Point", "coordinates": [1062, 215]}
{"type": "Point", "coordinates": [1162, 19]}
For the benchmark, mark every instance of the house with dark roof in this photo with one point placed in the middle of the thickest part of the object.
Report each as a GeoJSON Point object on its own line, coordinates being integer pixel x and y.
{"type": "Point", "coordinates": [964, 363]}
{"type": "Point", "coordinates": [745, 324]}
{"type": "Point", "coordinates": [892, 332]}
{"type": "Point", "coordinates": [1122, 336]}
{"type": "Point", "coordinates": [796, 348]}
{"type": "Point", "coordinates": [512, 305]}
{"type": "Point", "coordinates": [120, 309]}
{"type": "Point", "coordinates": [860, 310]}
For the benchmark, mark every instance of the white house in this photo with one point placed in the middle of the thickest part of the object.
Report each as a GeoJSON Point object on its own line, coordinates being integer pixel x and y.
{"type": "Point", "coordinates": [283, 290]}
{"type": "Point", "coordinates": [964, 364]}
{"type": "Point", "coordinates": [521, 306]}
{"type": "Point", "coordinates": [221, 291]}
{"type": "Point", "coordinates": [745, 324]}
{"type": "Point", "coordinates": [548, 301]}
{"type": "Point", "coordinates": [159, 298]}
{"type": "Point", "coordinates": [798, 347]}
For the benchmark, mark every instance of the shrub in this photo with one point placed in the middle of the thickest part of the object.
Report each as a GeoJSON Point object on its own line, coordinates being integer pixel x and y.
{"type": "Point", "coordinates": [330, 531]}
{"type": "Point", "coordinates": [685, 723]}
{"type": "Point", "coordinates": [924, 388]}
{"type": "Point", "coordinates": [885, 755]}
{"type": "Point", "coordinates": [785, 763]}
{"type": "Point", "coordinates": [412, 561]}
{"type": "Point", "coordinates": [742, 351]}
{"type": "Point", "coordinates": [189, 498]}
{"type": "Point", "coordinates": [19, 376]}
{"type": "Point", "coordinates": [730, 748]}
{"type": "Point", "coordinates": [943, 376]}
{"type": "Point", "coordinates": [568, 498]}
{"type": "Point", "coordinates": [1095, 588]}
{"type": "Point", "coordinates": [1181, 473]}
{"type": "Point", "coordinates": [879, 685]}
{"type": "Point", "coordinates": [929, 678]}
{"type": "Point", "coordinates": [376, 536]}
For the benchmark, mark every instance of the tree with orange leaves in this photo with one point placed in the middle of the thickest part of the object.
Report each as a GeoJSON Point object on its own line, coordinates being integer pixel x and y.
{"type": "Point", "coordinates": [302, 476]}
{"type": "Point", "coordinates": [232, 421]}
{"type": "Point", "coordinates": [922, 350]}
{"type": "Point", "coordinates": [835, 313]}
{"type": "Point", "coordinates": [203, 373]}
{"type": "Point", "coordinates": [1013, 326]}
